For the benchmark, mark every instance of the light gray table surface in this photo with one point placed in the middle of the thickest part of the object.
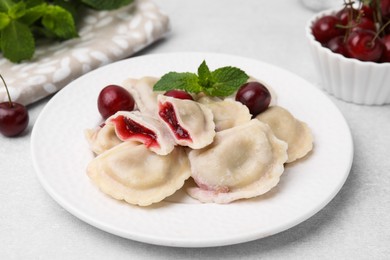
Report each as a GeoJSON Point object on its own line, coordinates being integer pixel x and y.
{"type": "Point", "coordinates": [354, 225]}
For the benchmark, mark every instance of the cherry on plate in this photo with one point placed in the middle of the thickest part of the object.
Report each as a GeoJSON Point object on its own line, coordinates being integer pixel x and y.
{"type": "Point", "coordinates": [114, 98]}
{"type": "Point", "coordinates": [255, 96]}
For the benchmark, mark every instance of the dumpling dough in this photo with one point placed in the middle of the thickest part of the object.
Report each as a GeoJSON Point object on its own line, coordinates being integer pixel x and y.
{"type": "Point", "coordinates": [142, 128]}
{"type": "Point", "coordinates": [133, 173]}
{"type": "Point", "coordinates": [227, 113]}
{"type": "Point", "coordinates": [190, 123]}
{"type": "Point", "coordinates": [101, 139]}
{"type": "Point", "coordinates": [289, 129]}
{"type": "Point", "coordinates": [243, 162]}
{"type": "Point", "coordinates": [142, 91]}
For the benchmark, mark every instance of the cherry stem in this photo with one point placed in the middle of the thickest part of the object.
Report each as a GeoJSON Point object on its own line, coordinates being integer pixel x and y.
{"type": "Point", "coordinates": [6, 89]}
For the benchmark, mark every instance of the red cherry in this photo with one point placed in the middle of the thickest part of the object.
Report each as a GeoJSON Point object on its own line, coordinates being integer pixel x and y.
{"type": "Point", "coordinates": [344, 15]}
{"type": "Point", "coordinates": [325, 28]}
{"type": "Point", "coordinates": [368, 12]}
{"type": "Point", "coordinates": [181, 94]}
{"type": "Point", "coordinates": [386, 53]}
{"type": "Point", "coordinates": [365, 24]}
{"type": "Point", "coordinates": [385, 7]}
{"type": "Point", "coordinates": [13, 116]}
{"type": "Point", "coordinates": [255, 96]}
{"type": "Point", "coordinates": [114, 98]}
{"type": "Point", "coordinates": [364, 45]}
{"type": "Point", "coordinates": [337, 45]}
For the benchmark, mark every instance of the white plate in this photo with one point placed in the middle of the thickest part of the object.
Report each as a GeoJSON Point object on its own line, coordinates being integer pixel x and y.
{"type": "Point", "coordinates": [60, 154]}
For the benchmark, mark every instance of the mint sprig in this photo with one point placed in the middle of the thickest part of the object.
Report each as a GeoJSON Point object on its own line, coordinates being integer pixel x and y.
{"type": "Point", "coordinates": [24, 21]}
{"type": "Point", "coordinates": [220, 82]}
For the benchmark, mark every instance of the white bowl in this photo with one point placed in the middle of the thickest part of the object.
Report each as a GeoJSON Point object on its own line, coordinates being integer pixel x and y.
{"type": "Point", "coordinates": [351, 80]}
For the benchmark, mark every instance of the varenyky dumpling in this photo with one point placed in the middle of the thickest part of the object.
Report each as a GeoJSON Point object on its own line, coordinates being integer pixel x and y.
{"type": "Point", "coordinates": [142, 128]}
{"type": "Point", "coordinates": [289, 129]}
{"type": "Point", "coordinates": [142, 91]}
{"type": "Point", "coordinates": [101, 139]}
{"type": "Point", "coordinates": [243, 162]}
{"type": "Point", "coordinates": [133, 173]}
{"type": "Point", "coordinates": [227, 113]}
{"type": "Point", "coordinates": [190, 123]}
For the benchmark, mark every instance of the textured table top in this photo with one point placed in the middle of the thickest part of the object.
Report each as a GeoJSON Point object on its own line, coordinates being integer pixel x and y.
{"type": "Point", "coordinates": [354, 225]}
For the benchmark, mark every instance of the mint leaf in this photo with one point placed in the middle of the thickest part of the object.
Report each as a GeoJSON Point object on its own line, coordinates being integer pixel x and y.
{"type": "Point", "coordinates": [205, 78]}
{"type": "Point", "coordinates": [5, 5]}
{"type": "Point", "coordinates": [227, 80]}
{"type": "Point", "coordinates": [221, 82]}
{"type": "Point", "coordinates": [175, 80]}
{"type": "Point", "coordinates": [4, 20]}
{"type": "Point", "coordinates": [60, 22]}
{"type": "Point", "coordinates": [17, 42]}
{"type": "Point", "coordinates": [106, 5]}
{"type": "Point", "coordinates": [33, 14]}
{"type": "Point", "coordinates": [18, 10]}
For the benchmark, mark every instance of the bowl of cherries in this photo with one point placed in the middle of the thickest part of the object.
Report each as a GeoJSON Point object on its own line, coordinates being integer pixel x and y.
{"type": "Point", "coordinates": [351, 50]}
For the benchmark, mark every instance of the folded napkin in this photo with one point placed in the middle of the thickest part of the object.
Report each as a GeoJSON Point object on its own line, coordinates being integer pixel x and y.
{"type": "Point", "coordinates": [105, 37]}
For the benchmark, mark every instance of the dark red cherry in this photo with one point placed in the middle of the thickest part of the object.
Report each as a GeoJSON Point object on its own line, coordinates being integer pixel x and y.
{"type": "Point", "coordinates": [386, 53]}
{"type": "Point", "coordinates": [337, 45]}
{"type": "Point", "coordinates": [365, 24]}
{"type": "Point", "coordinates": [325, 28]}
{"type": "Point", "coordinates": [385, 7]}
{"type": "Point", "coordinates": [368, 12]}
{"type": "Point", "coordinates": [13, 116]}
{"type": "Point", "coordinates": [114, 98]}
{"type": "Point", "coordinates": [181, 94]}
{"type": "Point", "coordinates": [255, 96]}
{"type": "Point", "coordinates": [344, 15]}
{"type": "Point", "coordinates": [364, 45]}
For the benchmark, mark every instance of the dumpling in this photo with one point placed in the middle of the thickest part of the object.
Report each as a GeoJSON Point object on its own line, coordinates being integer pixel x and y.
{"type": "Point", "coordinates": [142, 128]}
{"type": "Point", "coordinates": [102, 138]}
{"type": "Point", "coordinates": [133, 173]}
{"type": "Point", "coordinates": [286, 127]}
{"type": "Point", "coordinates": [190, 123]}
{"type": "Point", "coordinates": [243, 162]}
{"type": "Point", "coordinates": [143, 94]}
{"type": "Point", "coordinates": [227, 113]}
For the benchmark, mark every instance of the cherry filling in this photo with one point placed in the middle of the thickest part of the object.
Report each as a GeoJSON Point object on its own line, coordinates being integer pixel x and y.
{"type": "Point", "coordinates": [128, 128]}
{"type": "Point", "coordinates": [167, 113]}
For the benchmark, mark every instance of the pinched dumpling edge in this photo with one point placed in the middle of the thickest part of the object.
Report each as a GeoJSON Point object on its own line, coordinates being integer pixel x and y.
{"type": "Point", "coordinates": [143, 197]}
{"type": "Point", "coordinates": [101, 138]}
{"type": "Point", "coordinates": [301, 143]}
{"type": "Point", "coordinates": [267, 181]}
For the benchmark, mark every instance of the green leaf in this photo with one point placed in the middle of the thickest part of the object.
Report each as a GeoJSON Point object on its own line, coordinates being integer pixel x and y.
{"type": "Point", "coordinates": [175, 80]}
{"type": "Point", "coordinates": [204, 74]}
{"type": "Point", "coordinates": [60, 22]}
{"type": "Point", "coordinates": [227, 80]}
{"type": "Point", "coordinates": [5, 5]}
{"type": "Point", "coordinates": [18, 10]}
{"type": "Point", "coordinates": [221, 82]}
{"type": "Point", "coordinates": [17, 42]}
{"type": "Point", "coordinates": [106, 5]}
{"type": "Point", "coordinates": [33, 14]}
{"type": "Point", "coordinates": [32, 3]}
{"type": "Point", "coordinates": [4, 20]}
